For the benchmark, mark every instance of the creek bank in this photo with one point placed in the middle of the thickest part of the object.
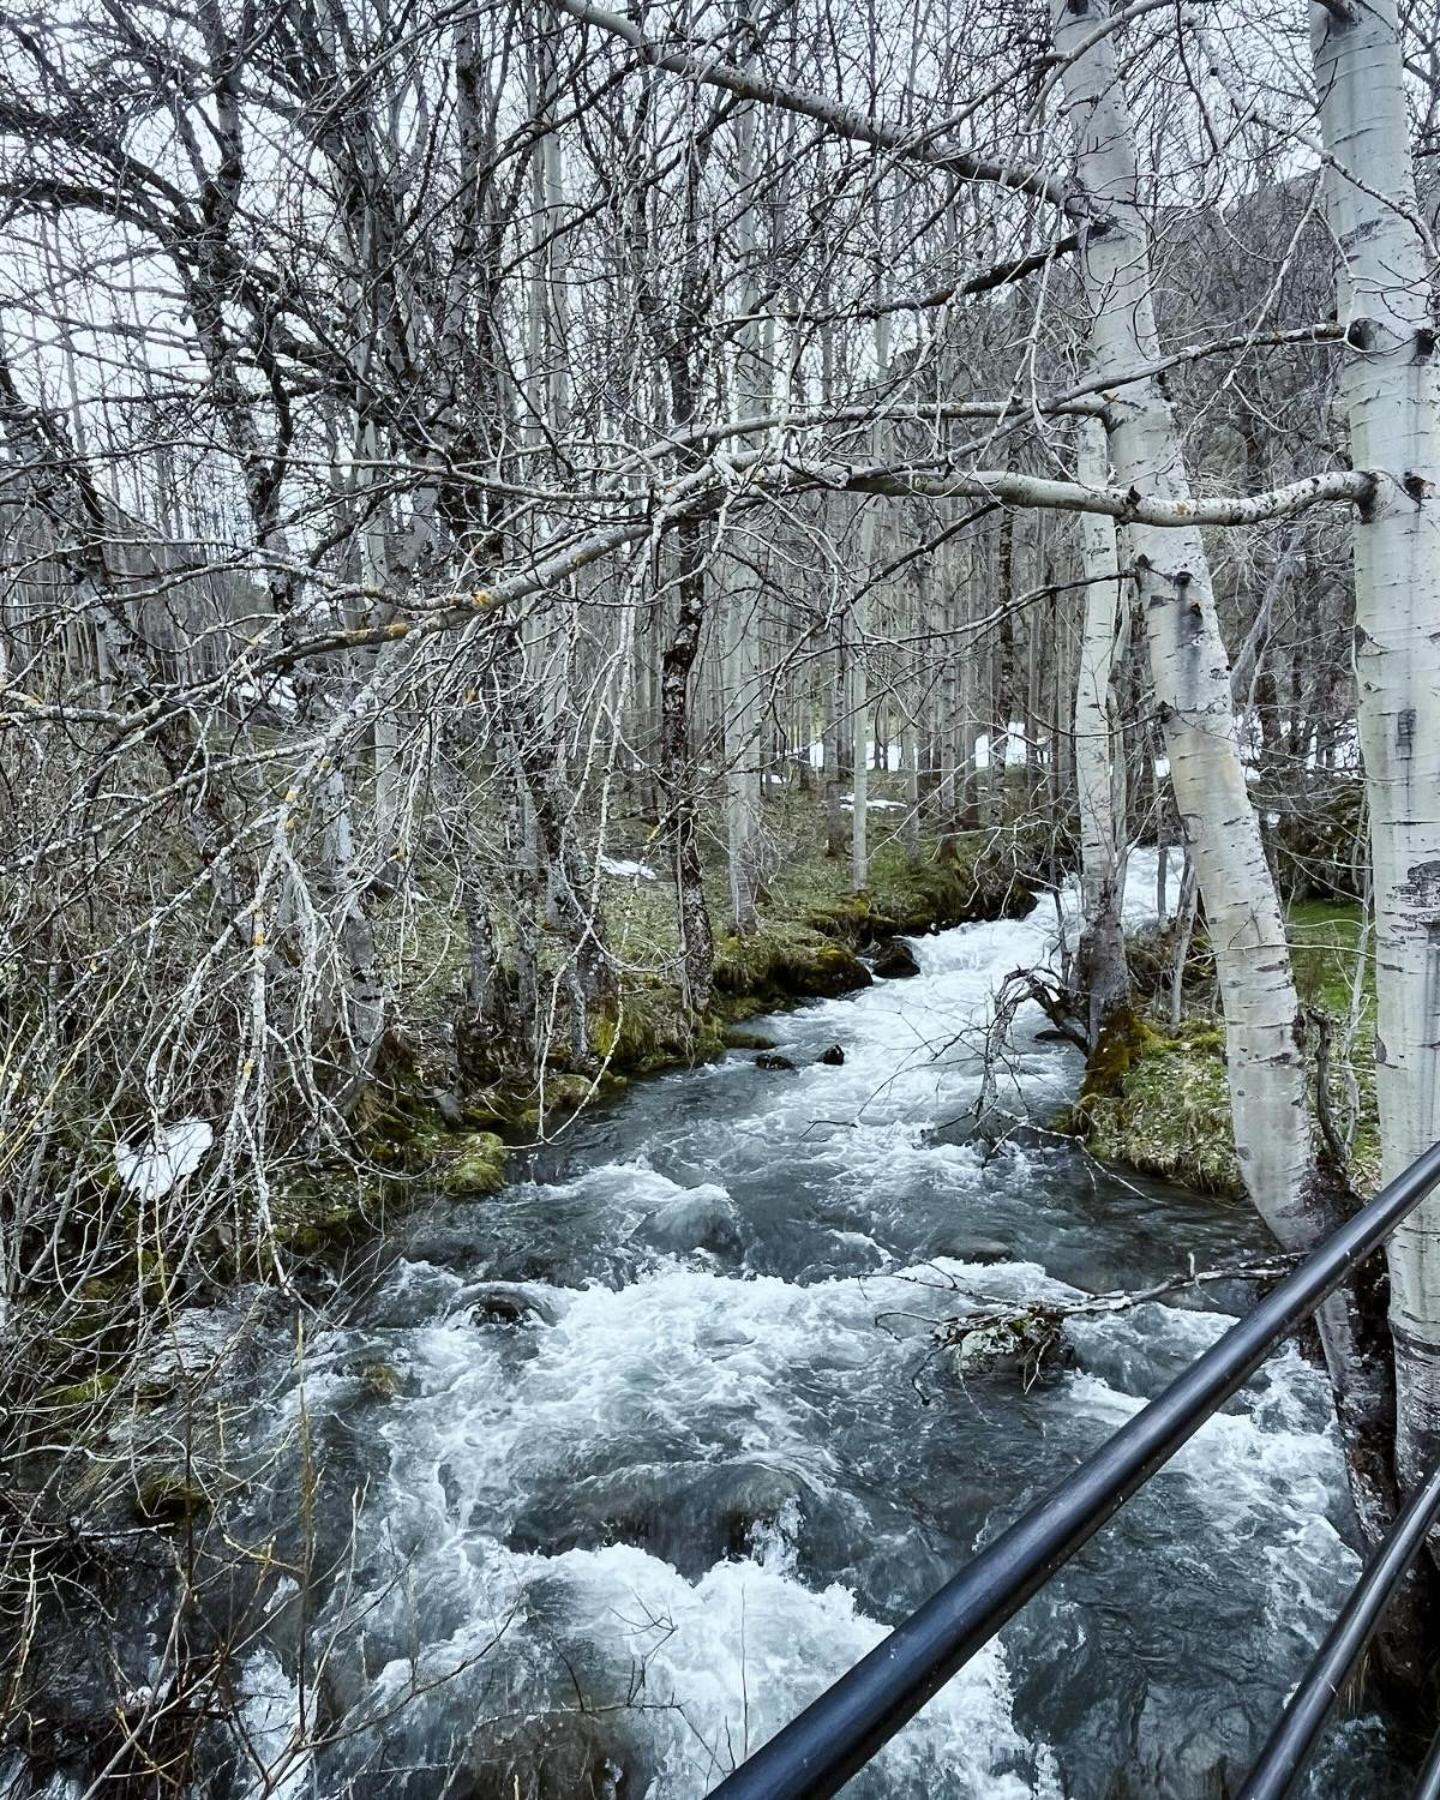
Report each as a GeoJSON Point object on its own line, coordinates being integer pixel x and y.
{"type": "Point", "coordinates": [420, 1137]}
{"type": "Point", "coordinates": [1155, 1098]}
{"type": "Point", "coordinates": [420, 1134]}
{"type": "Point", "coordinates": [1156, 1101]}
{"type": "Point", "coordinates": [731, 1445]}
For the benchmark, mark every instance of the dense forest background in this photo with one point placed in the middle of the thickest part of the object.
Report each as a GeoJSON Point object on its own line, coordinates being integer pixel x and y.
{"type": "Point", "coordinates": [530, 534]}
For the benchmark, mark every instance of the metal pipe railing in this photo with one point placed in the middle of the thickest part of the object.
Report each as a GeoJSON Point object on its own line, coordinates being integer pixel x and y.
{"type": "Point", "coordinates": [1427, 1787]}
{"type": "Point", "coordinates": [817, 1752]}
{"type": "Point", "coordinates": [1297, 1731]}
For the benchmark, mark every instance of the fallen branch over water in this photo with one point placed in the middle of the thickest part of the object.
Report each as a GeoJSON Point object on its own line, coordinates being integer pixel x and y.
{"type": "Point", "coordinates": [1026, 1334]}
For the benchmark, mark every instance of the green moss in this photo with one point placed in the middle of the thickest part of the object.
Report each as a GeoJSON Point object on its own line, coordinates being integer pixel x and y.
{"type": "Point", "coordinates": [380, 1380]}
{"type": "Point", "coordinates": [558, 1097]}
{"type": "Point", "coordinates": [983, 876]}
{"type": "Point", "coordinates": [648, 1028]}
{"type": "Point", "coordinates": [1169, 1112]}
{"type": "Point", "coordinates": [313, 1216]}
{"type": "Point", "coordinates": [491, 1109]}
{"type": "Point", "coordinates": [168, 1499]}
{"type": "Point", "coordinates": [1125, 1038]}
{"type": "Point", "coordinates": [789, 961]}
{"type": "Point", "coordinates": [730, 1009]}
{"type": "Point", "coordinates": [82, 1395]}
{"type": "Point", "coordinates": [1160, 1103]}
{"type": "Point", "coordinates": [736, 1038]}
{"type": "Point", "coordinates": [474, 1165]}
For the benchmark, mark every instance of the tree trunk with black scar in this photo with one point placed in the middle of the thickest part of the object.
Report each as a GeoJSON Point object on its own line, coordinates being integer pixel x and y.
{"type": "Point", "coordinates": [1392, 399]}
{"type": "Point", "coordinates": [1190, 672]}
{"type": "Point", "coordinates": [697, 942]}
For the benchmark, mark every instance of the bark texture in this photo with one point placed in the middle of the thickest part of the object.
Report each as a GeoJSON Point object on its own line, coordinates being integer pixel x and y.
{"type": "Point", "coordinates": [1392, 398]}
{"type": "Point", "coordinates": [1101, 974]}
{"type": "Point", "coordinates": [1188, 662]}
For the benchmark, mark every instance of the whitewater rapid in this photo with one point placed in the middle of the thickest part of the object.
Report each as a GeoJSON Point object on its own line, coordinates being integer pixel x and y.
{"type": "Point", "coordinates": [607, 1538]}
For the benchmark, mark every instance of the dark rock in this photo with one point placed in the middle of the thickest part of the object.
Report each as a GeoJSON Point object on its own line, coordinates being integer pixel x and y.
{"type": "Point", "coordinates": [449, 1108]}
{"type": "Point", "coordinates": [961, 1247]}
{"type": "Point", "coordinates": [770, 1060]}
{"type": "Point", "coordinates": [690, 1520]}
{"type": "Point", "coordinates": [703, 1219]}
{"type": "Point", "coordinates": [894, 960]}
{"type": "Point", "coordinates": [833, 1057]}
{"type": "Point", "coordinates": [507, 1303]}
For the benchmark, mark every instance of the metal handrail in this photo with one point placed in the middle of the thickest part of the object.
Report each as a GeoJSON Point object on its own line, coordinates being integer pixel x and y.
{"type": "Point", "coordinates": [1297, 1731]}
{"type": "Point", "coordinates": [837, 1734]}
{"type": "Point", "coordinates": [1427, 1787]}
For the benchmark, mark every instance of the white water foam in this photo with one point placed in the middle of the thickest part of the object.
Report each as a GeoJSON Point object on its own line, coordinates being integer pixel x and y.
{"type": "Point", "coordinates": [690, 1370]}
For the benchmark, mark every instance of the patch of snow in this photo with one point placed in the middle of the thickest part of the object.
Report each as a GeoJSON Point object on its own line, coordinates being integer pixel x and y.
{"type": "Point", "coordinates": [627, 870]}
{"type": "Point", "coordinates": [171, 1156]}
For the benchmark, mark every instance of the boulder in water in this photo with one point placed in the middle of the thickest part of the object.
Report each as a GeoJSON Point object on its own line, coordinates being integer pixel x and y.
{"type": "Point", "coordinates": [772, 1060]}
{"type": "Point", "coordinates": [701, 1218]}
{"type": "Point", "coordinates": [507, 1303]}
{"type": "Point", "coordinates": [962, 1246]}
{"type": "Point", "coordinates": [832, 1057]}
{"type": "Point", "coordinates": [691, 1520]}
{"type": "Point", "coordinates": [894, 960]}
{"type": "Point", "coordinates": [1031, 1344]}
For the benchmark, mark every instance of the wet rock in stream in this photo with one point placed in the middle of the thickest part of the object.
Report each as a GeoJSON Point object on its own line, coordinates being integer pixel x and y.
{"type": "Point", "coordinates": [508, 1303]}
{"type": "Point", "coordinates": [691, 1520]}
{"type": "Point", "coordinates": [894, 960]}
{"type": "Point", "coordinates": [701, 1218]}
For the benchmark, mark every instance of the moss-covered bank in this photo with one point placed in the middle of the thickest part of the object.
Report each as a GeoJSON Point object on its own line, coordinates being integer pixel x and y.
{"type": "Point", "coordinates": [1163, 1107]}
{"type": "Point", "coordinates": [420, 1135]}
{"type": "Point", "coordinates": [1156, 1100]}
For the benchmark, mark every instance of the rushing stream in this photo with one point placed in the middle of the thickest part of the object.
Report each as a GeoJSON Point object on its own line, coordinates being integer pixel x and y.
{"type": "Point", "coordinates": [605, 1546]}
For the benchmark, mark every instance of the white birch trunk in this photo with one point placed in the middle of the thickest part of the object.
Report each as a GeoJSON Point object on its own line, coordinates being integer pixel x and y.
{"type": "Point", "coordinates": [860, 713]}
{"type": "Point", "coordinates": [740, 700]}
{"type": "Point", "coordinates": [375, 576]}
{"type": "Point", "coordinates": [1189, 666]}
{"type": "Point", "coordinates": [740, 621]}
{"type": "Point", "coordinates": [1392, 397]}
{"type": "Point", "coordinates": [947, 721]}
{"type": "Point", "coordinates": [860, 617]}
{"type": "Point", "coordinates": [1100, 965]}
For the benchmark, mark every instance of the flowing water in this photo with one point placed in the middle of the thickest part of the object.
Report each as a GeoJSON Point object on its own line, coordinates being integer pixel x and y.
{"type": "Point", "coordinates": [605, 1528]}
